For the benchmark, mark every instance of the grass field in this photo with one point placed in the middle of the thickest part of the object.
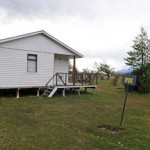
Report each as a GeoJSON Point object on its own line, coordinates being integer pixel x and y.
{"type": "Point", "coordinates": [70, 123]}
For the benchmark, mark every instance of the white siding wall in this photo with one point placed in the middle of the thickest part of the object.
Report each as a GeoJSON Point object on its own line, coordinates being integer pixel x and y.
{"type": "Point", "coordinates": [37, 43]}
{"type": "Point", "coordinates": [13, 61]}
{"type": "Point", "coordinates": [13, 69]}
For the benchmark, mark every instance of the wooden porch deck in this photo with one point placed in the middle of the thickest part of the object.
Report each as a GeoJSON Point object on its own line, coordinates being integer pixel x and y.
{"type": "Point", "coordinates": [60, 81]}
{"type": "Point", "coordinates": [77, 87]}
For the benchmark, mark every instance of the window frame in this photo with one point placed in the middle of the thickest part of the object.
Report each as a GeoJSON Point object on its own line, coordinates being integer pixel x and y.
{"type": "Point", "coordinates": [34, 60]}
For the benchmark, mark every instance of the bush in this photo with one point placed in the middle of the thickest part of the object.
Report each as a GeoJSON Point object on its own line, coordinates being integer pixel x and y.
{"type": "Point", "coordinates": [143, 80]}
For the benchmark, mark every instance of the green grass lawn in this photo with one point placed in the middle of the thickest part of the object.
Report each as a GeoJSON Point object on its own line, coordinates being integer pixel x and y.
{"type": "Point", "coordinates": [70, 123]}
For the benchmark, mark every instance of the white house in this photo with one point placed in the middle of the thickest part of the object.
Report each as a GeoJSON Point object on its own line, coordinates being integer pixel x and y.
{"type": "Point", "coordinates": [34, 59]}
{"type": "Point", "coordinates": [30, 60]}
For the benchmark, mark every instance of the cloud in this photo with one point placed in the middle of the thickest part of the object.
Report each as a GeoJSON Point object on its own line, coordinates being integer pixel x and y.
{"type": "Point", "coordinates": [102, 9]}
{"type": "Point", "coordinates": [99, 29]}
{"type": "Point", "coordinates": [48, 8]}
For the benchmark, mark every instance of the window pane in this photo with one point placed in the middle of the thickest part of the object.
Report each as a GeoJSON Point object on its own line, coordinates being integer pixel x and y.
{"type": "Point", "coordinates": [32, 66]}
{"type": "Point", "coordinates": [32, 57]}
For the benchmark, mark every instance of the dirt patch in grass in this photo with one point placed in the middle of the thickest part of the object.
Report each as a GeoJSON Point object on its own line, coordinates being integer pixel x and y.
{"type": "Point", "coordinates": [110, 129]}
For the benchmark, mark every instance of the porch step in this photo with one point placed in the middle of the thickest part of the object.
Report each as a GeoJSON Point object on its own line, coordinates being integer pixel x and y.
{"type": "Point", "coordinates": [49, 91]}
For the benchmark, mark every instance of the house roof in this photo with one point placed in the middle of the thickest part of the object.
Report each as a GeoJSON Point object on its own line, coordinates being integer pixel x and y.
{"type": "Point", "coordinates": [46, 34]}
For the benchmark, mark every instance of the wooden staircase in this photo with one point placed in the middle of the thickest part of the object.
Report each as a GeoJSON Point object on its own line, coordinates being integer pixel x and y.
{"type": "Point", "coordinates": [50, 91]}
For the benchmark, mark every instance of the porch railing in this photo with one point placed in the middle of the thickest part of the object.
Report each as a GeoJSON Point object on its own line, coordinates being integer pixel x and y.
{"type": "Point", "coordinates": [73, 79]}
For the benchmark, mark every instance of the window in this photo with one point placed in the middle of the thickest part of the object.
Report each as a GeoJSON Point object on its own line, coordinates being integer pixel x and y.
{"type": "Point", "coordinates": [31, 63]}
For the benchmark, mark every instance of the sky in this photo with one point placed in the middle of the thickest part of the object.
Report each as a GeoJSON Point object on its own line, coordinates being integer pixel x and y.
{"type": "Point", "coordinates": [101, 30]}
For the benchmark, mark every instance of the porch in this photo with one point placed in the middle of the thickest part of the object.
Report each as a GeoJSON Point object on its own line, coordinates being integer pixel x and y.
{"type": "Point", "coordinates": [70, 81]}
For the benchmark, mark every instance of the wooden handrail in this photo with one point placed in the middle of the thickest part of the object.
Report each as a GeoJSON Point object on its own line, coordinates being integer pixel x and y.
{"type": "Point", "coordinates": [94, 77]}
{"type": "Point", "coordinates": [80, 77]}
{"type": "Point", "coordinates": [50, 79]}
{"type": "Point", "coordinates": [61, 78]}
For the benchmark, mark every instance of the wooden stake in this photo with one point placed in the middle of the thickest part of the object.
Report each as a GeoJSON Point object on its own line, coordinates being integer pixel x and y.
{"type": "Point", "coordinates": [79, 91]}
{"type": "Point", "coordinates": [17, 93]}
{"type": "Point", "coordinates": [85, 89]}
{"type": "Point", "coordinates": [63, 92]}
{"type": "Point", "coordinates": [38, 92]}
{"type": "Point", "coordinates": [94, 90]}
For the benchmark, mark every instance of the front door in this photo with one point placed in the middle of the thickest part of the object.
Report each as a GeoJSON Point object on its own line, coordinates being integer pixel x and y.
{"type": "Point", "coordinates": [61, 67]}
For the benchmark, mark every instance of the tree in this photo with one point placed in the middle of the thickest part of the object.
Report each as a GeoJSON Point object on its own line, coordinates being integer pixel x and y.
{"type": "Point", "coordinates": [139, 59]}
{"type": "Point", "coordinates": [139, 56]}
{"type": "Point", "coordinates": [105, 68]}
{"type": "Point", "coordinates": [143, 82]}
{"type": "Point", "coordinates": [87, 71]}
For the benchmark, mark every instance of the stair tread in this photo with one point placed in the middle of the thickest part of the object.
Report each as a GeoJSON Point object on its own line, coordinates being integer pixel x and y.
{"type": "Point", "coordinates": [48, 91]}
{"type": "Point", "coordinates": [50, 88]}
